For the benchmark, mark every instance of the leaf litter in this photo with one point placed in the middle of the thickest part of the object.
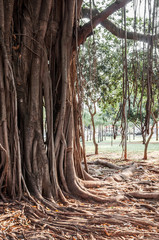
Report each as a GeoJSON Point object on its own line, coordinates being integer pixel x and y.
{"type": "Point", "coordinates": [134, 216]}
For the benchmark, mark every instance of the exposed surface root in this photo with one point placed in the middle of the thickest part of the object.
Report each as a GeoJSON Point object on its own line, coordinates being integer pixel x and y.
{"type": "Point", "coordinates": [88, 176]}
{"type": "Point", "coordinates": [92, 184]}
{"type": "Point", "coordinates": [131, 218]}
{"type": "Point", "coordinates": [106, 164]}
{"type": "Point", "coordinates": [144, 195]}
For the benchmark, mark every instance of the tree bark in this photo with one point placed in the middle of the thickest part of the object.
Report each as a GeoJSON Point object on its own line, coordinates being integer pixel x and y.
{"type": "Point", "coordinates": [148, 140]}
{"type": "Point", "coordinates": [119, 32]}
{"type": "Point", "coordinates": [40, 123]}
{"type": "Point", "coordinates": [87, 28]}
{"type": "Point", "coordinates": [93, 126]}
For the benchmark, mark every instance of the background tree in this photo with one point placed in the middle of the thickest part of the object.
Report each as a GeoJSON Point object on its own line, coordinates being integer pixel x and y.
{"type": "Point", "coordinates": [87, 123]}
{"type": "Point", "coordinates": [138, 55]}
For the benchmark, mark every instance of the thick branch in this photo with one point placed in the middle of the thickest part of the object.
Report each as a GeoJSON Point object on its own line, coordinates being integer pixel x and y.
{"type": "Point", "coordinates": [97, 19]}
{"type": "Point", "coordinates": [119, 32]}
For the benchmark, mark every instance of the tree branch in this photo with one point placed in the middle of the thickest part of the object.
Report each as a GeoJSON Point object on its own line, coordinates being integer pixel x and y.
{"type": "Point", "coordinates": [84, 31]}
{"type": "Point", "coordinates": [119, 32]}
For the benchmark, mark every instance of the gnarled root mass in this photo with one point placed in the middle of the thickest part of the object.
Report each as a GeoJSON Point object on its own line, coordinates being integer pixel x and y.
{"type": "Point", "coordinates": [87, 220]}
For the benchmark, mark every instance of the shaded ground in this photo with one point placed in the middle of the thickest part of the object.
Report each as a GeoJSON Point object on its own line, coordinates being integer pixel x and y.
{"type": "Point", "coordinates": [126, 218]}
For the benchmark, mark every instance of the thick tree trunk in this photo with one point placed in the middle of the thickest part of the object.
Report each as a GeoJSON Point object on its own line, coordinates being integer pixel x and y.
{"type": "Point", "coordinates": [40, 118]}
{"type": "Point", "coordinates": [29, 59]}
{"type": "Point", "coordinates": [37, 89]}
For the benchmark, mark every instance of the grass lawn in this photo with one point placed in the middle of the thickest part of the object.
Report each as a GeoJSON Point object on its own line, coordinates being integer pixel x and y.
{"type": "Point", "coordinates": [134, 146]}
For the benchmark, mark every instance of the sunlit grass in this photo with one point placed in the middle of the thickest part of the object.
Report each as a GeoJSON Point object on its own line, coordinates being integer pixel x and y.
{"type": "Point", "coordinates": [134, 146]}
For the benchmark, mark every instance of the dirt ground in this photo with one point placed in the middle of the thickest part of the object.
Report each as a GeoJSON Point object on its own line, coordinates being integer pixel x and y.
{"type": "Point", "coordinates": [131, 209]}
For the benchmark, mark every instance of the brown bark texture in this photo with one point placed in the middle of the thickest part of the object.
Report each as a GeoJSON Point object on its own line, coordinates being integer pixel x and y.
{"type": "Point", "coordinates": [40, 121]}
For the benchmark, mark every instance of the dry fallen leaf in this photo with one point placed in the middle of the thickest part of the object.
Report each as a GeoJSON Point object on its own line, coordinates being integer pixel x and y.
{"type": "Point", "coordinates": [106, 232]}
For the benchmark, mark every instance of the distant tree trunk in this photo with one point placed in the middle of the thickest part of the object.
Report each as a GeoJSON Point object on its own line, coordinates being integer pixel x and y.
{"type": "Point", "coordinates": [143, 136]}
{"type": "Point", "coordinates": [129, 135]}
{"type": "Point", "coordinates": [111, 136]}
{"type": "Point", "coordinates": [92, 113]}
{"type": "Point", "coordinates": [87, 134]}
{"type": "Point", "coordinates": [157, 131]}
{"type": "Point", "coordinates": [94, 138]}
{"type": "Point", "coordinates": [105, 133]}
{"type": "Point", "coordinates": [106, 130]}
{"type": "Point", "coordinates": [148, 140]}
{"type": "Point", "coordinates": [133, 132]}
{"type": "Point", "coordinates": [102, 134]}
{"type": "Point", "coordinates": [99, 134]}
{"type": "Point", "coordinates": [90, 134]}
{"type": "Point", "coordinates": [110, 129]}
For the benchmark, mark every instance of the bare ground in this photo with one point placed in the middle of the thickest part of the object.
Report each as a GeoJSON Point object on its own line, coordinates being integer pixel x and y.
{"type": "Point", "coordinates": [134, 214]}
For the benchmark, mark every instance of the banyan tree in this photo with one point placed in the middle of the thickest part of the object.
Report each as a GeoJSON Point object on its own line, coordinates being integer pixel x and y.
{"type": "Point", "coordinates": [40, 118]}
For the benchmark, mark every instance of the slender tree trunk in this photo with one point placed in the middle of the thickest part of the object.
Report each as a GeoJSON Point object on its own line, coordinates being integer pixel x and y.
{"type": "Point", "coordinates": [133, 132]}
{"type": "Point", "coordinates": [99, 134]}
{"type": "Point", "coordinates": [148, 140]}
{"type": "Point", "coordinates": [111, 136]}
{"type": "Point", "coordinates": [90, 134]}
{"type": "Point", "coordinates": [129, 135]}
{"type": "Point", "coordinates": [92, 113]}
{"type": "Point", "coordinates": [157, 131]}
{"type": "Point", "coordinates": [102, 134]}
{"type": "Point", "coordinates": [94, 134]}
{"type": "Point", "coordinates": [87, 134]}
